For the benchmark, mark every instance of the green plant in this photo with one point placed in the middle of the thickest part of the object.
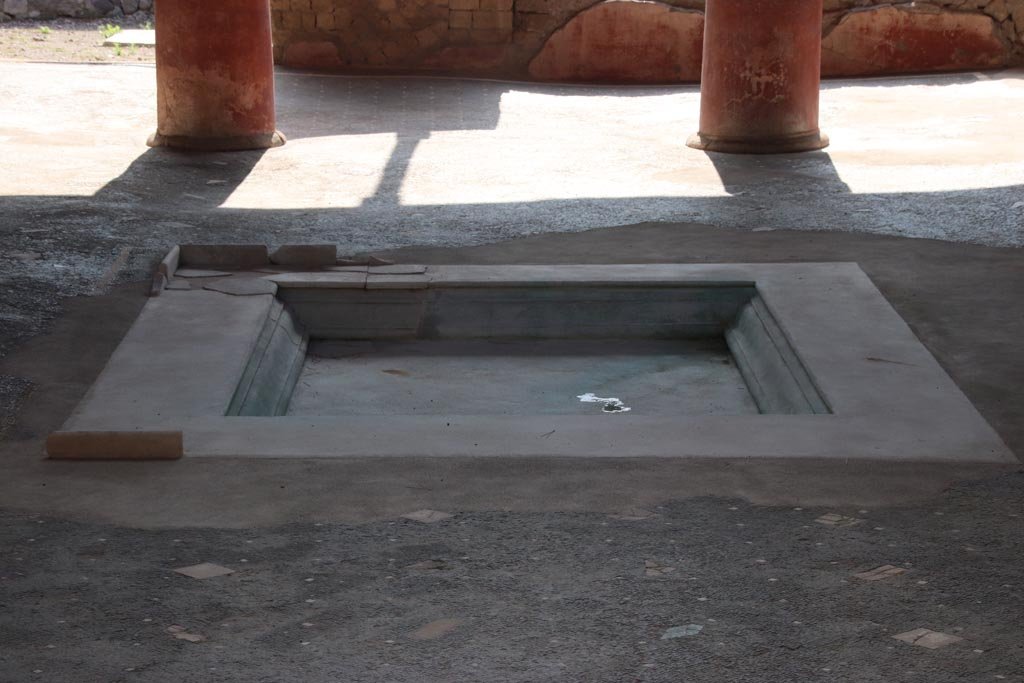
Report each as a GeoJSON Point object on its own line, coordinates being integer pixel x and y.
{"type": "Point", "coordinates": [45, 30]}
{"type": "Point", "coordinates": [148, 26]}
{"type": "Point", "coordinates": [109, 29]}
{"type": "Point", "coordinates": [117, 50]}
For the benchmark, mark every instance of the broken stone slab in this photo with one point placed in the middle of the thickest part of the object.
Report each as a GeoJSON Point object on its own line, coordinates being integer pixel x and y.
{"type": "Point", "coordinates": [364, 261]}
{"type": "Point", "coordinates": [132, 36]}
{"type": "Point", "coordinates": [201, 272]}
{"type": "Point", "coordinates": [243, 286]}
{"type": "Point", "coordinates": [924, 637]}
{"type": "Point", "coordinates": [655, 568]}
{"type": "Point", "coordinates": [348, 269]}
{"type": "Point", "coordinates": [228, 256]}
{"type": "Point", "coordinates": [181, 633]}
{"type": "Point", "coordinates": [427, 516]}
{"type": "Point", "coordinates": [682, 631]}
{"type": "Point", "coordinates": [329, 280]}
{"type": "Point", "coordinates": [435, 629]}
{"type": "Point", "coordinates": [204, 570]}
{"type": "Point", "coordinates": [169, 264]}
{"type": "Point", "coordinates": [886, 571]}
{"type": "Point", "coordinates": [832, 519]}
{"type": "Point", "coordinates": [397, 269]}
{"type": "Point", "coordinates": [305, 255]}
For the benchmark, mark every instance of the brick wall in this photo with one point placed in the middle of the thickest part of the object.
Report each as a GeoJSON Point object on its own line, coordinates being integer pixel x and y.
{"type": "Point", "coordinates": [500, 38]}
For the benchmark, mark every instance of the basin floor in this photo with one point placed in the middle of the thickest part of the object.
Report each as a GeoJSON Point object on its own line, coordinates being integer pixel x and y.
{"type": "Point", "coordinates": [521, 377]}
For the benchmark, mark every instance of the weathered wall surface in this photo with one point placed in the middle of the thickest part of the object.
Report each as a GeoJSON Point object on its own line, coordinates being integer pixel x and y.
{"type": "Point", "coordinates": [79, 9]}
{"type": "Point", "coordinates": [627, 41]}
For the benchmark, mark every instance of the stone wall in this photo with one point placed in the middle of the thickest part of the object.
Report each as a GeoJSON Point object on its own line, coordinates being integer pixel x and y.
{"type": "Point", "coordinates": [632, 41]}
{"type": "Point", "coordinates": [77, 9]}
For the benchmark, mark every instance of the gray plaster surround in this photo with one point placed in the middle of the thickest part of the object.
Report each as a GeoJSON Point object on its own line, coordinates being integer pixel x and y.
{"type": "Point", "coordinates": [843, 376]}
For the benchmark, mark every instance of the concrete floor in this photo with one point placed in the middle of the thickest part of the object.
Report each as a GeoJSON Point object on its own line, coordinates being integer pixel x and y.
{"type": "Point", "coordinates": [542, 577]}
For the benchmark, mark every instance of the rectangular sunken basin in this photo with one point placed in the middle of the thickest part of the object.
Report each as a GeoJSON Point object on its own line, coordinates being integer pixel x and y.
{"type": "Point", "coordinates": [732, 360]}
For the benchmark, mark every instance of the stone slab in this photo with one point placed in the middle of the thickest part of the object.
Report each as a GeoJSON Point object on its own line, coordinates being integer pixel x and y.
{"type": "Point", "coordinates": [376, 280]}
{"type": "Point", "coordinates": [204, 570]}
{"type": "Point", "coordinates": [133, 36]}
{"type": "Point", "coordinates": [927, 638]}
{"type": "Point", "coordinates": [183, 357]}
{"type": "Point", "coordinates": [169, 263]}
{"type": "Point", "coordinates": [328, 280]}
{"type": "Point", "coordinates": [202, 272]}
{"type": "Point", "coordinates": [242, 286]}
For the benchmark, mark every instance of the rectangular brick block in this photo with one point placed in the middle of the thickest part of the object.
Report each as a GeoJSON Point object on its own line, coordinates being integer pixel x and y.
{"type": "Point", "coordinates": [115, 445]}
{"type": "Point", "coordinates": [483, 19]}
{"type": "Point", "coordinates": [230, 256]}
{"type": "Point", "coordinates": [490, 35]}
{"type": "Point", "coordinates": [325, 20]}
{"type": "Point", "coordinates": [543, 6]}
{"type": "Point", "coordinates": [464, 4]}
{"type": "Point", "coordinates": [459, 19]}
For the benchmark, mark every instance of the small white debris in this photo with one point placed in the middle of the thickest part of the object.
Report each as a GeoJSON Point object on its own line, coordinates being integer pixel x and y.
{"type": "Point", "coordinates": [611, 405]}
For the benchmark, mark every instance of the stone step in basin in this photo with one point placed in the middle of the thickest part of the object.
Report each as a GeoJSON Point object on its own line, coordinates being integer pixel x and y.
{"type": "Point", "coordinates": [621, 361]}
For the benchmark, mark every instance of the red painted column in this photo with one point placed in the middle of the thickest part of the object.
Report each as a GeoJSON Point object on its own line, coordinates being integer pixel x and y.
{"type": "Point", "coordinates": [760, 77]}
{"type": "Point", "coordinates": [214, 75]}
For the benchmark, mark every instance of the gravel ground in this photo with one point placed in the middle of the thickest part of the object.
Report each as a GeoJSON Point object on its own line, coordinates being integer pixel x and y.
{"type": "Point", "coordinates": [70, 40]}
{"type": "Point", "coordinates": [527, 597]}
{"type": "Point", "coordinates": [530, 596]}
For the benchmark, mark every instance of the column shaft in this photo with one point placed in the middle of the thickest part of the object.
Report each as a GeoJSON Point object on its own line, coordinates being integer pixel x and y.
{"type": "Point", "coordinates": [215, 75]}
{"type": "Point", "coordinates": [760, 77]}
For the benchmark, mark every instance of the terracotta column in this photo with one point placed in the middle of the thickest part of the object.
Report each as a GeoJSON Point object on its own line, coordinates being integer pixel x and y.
{"type": "Point", "coordinates": [760, 77]}
{"type": "Point", "coordinates": [214, 75]}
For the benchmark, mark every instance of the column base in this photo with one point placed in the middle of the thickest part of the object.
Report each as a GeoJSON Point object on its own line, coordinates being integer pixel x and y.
{"type": "Point", "coordinates": [805, 142]}
{"type": "Point", "coordinates": [235, 143]}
